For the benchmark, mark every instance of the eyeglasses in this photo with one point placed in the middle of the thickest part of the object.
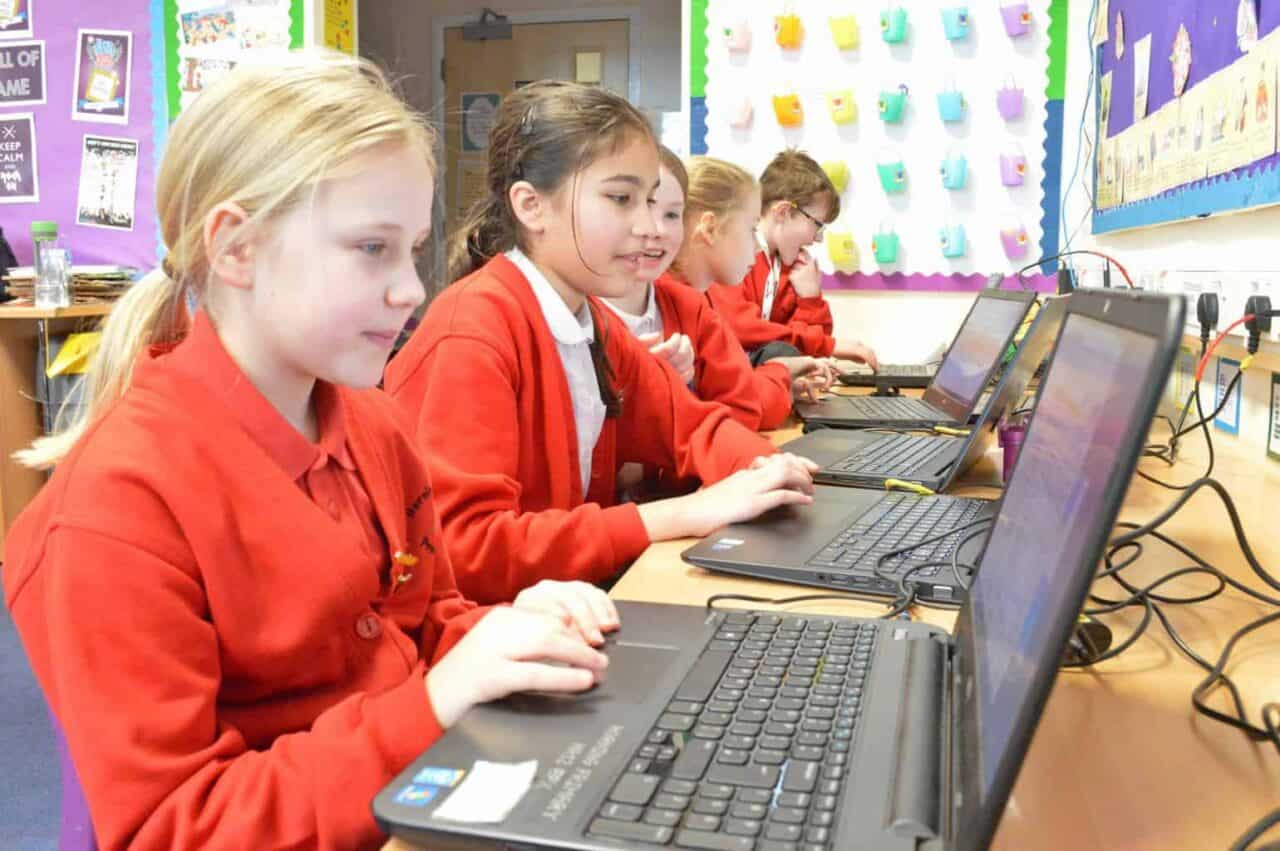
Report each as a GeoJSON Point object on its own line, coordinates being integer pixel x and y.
{"type": "Point", "coordinates": [821, 226]}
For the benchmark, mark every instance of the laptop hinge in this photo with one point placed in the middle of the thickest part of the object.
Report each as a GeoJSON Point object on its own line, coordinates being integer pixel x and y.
{"type": "Point", "coordinates": [915, 798]}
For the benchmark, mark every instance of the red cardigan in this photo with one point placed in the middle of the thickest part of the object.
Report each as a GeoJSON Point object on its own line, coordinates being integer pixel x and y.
{"type": "Point", "coordinates": [759, 398]}
{"type": "Point", "coordinates": [229, 672]}
{"type": "Point", "coordinates": [483, 381]}
{"type": "Point", "coordinates": [804, 322]}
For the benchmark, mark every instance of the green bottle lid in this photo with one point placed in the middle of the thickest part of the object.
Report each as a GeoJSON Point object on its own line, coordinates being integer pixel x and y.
{"type": "Point", "coordinates": [44, 230]}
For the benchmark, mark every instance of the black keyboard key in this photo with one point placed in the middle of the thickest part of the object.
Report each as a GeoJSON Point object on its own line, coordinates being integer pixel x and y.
{"type": "Point", "coordinates": [817, 834]}
{"type": "Point", "coordinates": [710, 731]}
{"type": "Point", "coordinates": [749, 811]}
{"type": "Point", "coordinates": [710, 806]}
{"type": "Point", "coordinates": [679, 787]}
{"type": "Point", "coordinates": [777, 728]}
{"type": "Point", "coordinates": [665, 818]}
{"type": "Point", "coordinates": [801, 776]}
{"type": "Point", "coordinates": [770, 757]}
{"type": "Point", "coordinates": [622, 812]}
{"type": "Point", "coordinates": [640, 766]}
{"type": "Point", "coordinates": [630, 831]}
{"type": "Point", "coordinates": [659, 737]}
{"type": "Point", "coordinates": [755, 796]}
{"type": "Point", "coordinates": [667, 801]}
{"type": "Point", "coordinates": [788, 815]}
{"type": "Point", "coordinates": [743, 826]}
{"type": "Point", "coordinates": [777, 743]}
{"type": "Point", "coordinates": [713, 841]}
{"type": "Point", "coordinates": [635, 789]}
{"type": "Point", "coordinates": [745, 728]}
{"type": "Point", "coordinates": [753, 716]}
{"type": "Point", "coordinates": [676, 723]}
{"type": "Point", "coordinates": [718, 791]}
{"type": "Point", "coordinates": [698, 821]}
{"type": "Point", "coordinates": [776, 845]}
{"type": "Point", "coordinates": [833, 772]}
{"type": "Point", "coordinates": [785, 716]}
{"type": "Point", "coordinates": [819, 818]}
{"type": "Point", "coordinates": [807, 753]}
{"type": "Point", "coordinates": [755, 776]}
{"type": "Point", "coordinates": [702, 678]}
{"type": "Point", "coordinates": [743, 743]}
{"type": "Point", "coordinates": [784, 832]}
{"type": "Point", "coordinates": [829, 787]}
{"type": "Point", "coordinates": [685, 707]}
{"type": "Point", "coordinates": [694, 759]}
{"type": "Point", "coordinates": [729, 756]}
{"type": "Point", "coordinates": [719, 719]}
{"type": "Point", "coordinates": [793, 799]}
{"type": "Point", "coordinates": [816, 740]}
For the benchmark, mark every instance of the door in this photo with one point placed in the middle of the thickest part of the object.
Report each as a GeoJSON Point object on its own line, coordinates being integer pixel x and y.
{"type": "Point", "coordinates": [478, 73]}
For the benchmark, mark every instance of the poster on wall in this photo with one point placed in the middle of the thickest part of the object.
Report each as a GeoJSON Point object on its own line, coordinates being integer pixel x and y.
{"type": "Point", "coordinates": [22, 76]}
{"type": "Point", "coordinates": [209, 38]}
{"type": "Point", "coordinates": [19, 175]}
{"type": "Point", "coordinates": [340, 25]}
{"type": "Point", "coordinates": [1141, 75]}
{"type": "Point", "coordinates": [15, 18]}
{"type": "Point", "coordinates": [103, 60]}
{"type": "Point", "coordinates": [478, 111]}
{"type": "Point", "coordinates": [108, 183]}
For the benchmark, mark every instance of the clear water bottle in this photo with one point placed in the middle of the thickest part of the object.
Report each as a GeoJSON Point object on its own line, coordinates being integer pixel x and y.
{"type": "Point", "coordinates": [52, 266]}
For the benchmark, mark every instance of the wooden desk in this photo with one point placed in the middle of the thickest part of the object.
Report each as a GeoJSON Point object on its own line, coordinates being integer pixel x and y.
{"type": "Point", "coordinates": [1120, 759]}
{"type": "Point", "coordinates": [20, 420]}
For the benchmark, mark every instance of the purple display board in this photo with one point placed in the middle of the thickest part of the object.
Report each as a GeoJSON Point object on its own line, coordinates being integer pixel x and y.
{"type": "Point", "coordinates": [60, 140]}
{"type": "Point", "coordinates": [1212, 28]}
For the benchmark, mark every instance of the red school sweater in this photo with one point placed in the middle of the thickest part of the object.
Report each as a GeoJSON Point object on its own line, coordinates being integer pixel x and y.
{"type": "Point", "coordinates": [804, 322]}
{"type": "Point", "coordinates": [230, 670]}
{"type": "Point", "coordinates": [483, 381]}
{"type": "Point", "coordinates": [760, 398]}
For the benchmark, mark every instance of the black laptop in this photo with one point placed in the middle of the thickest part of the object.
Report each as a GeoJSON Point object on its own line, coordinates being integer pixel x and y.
{"type": "Point", "coordinates": [870, 458]}
{"type": "Point", "coordinates": [953, 394]}
{"type": "Point", "coordinates": [760, 732]}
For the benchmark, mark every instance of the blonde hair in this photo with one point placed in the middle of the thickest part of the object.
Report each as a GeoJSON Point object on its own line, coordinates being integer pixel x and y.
{"type": "Point", "coordinates": [263, 137]}
{"type": "Point", "coordinates": [713, 186]}
{"type": "Point", "coordinates": [795, 177]}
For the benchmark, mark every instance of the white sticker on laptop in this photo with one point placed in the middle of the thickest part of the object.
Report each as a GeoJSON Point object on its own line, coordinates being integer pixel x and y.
{"type": "Point", "coordinates": [489, 792]}
{"type": "Point", "coordinates": [727, 543]}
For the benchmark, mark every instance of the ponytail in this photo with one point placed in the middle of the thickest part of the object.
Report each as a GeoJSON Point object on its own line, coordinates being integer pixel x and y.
{"type": "Point", "coordinates": [151, 312]}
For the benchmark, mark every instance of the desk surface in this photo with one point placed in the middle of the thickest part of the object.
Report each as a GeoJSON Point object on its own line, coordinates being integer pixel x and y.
{"type": "Point", "coordinates": [1120, 759]}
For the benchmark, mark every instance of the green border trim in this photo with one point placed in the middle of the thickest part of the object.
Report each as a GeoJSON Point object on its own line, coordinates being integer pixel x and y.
{"type": "Point", "coordinates": [1057, 87]}
{"type": "Point", "coordinates": [698, 48]}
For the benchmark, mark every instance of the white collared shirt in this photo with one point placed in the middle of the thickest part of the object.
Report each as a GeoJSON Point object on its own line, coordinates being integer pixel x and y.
{"type": "Point", "coordinates": [771, 285]}
{"type": "Point", "coordinates": [573, 335]}
{"type": "Point", "coordinates": [649, 322]}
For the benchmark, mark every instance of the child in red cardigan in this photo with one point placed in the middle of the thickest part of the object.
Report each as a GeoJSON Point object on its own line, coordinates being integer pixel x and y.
{"type": "Point", "coordinates": [665, 313]}
{"type": "Point", "coordinates": [780, 299]}
{"type": "Point", "coordinates": [528, 394]}
{"type": "Point", "coordinates": [233, 590]}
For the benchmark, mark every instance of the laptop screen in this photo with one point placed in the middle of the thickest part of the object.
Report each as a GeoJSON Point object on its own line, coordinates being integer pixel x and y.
{"type": "Point", "coordinates": [1053, 506]}
{"type": "Point", "coordinates": [963, 373]}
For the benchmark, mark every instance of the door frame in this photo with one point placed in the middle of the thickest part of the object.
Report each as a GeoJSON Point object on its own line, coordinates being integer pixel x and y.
{"type": "Point", "coordinates": [631, 14]}
{"type": "Point", "coordinates": [439, 23]}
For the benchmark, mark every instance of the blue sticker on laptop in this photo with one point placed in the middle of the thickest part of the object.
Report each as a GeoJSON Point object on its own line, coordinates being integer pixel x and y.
{"type": "Point", "coordinates": [415, 795]}
{"type": "Point", "coordinates": [439, 776]}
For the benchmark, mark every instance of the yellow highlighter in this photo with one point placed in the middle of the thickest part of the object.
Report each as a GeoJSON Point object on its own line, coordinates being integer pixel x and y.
{"type": "Point", "coordinates": [898, 484]}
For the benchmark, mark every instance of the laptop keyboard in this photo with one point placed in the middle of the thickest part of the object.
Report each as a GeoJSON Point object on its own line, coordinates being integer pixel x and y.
{"type": "Point", "coordinates": [891, 408]}
{"type": "Point", "coordinates": [899, 520]}
{"type": "Point", "coordinates": [911, 370]}
{"type": "Point", "coordinates": [895, 455]}
{"type": "Point", "coordinates": [752, 750]}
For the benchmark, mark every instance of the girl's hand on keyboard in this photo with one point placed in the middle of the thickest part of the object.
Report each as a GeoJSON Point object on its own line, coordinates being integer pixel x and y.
{"type": "Point", "coordinates": [507, 651]}
{"type": "Point", "coordinates": [771, 481]}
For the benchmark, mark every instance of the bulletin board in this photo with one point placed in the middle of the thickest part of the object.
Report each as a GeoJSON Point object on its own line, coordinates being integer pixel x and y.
{"type": "Point", "coordinates": [60, 143]}
{"type": "Point", "coordinates": [1210, 150]}
{"type": "Point", "coordinates": [734, 78]}
{"type": "Point", "coordinates": [204, 39]}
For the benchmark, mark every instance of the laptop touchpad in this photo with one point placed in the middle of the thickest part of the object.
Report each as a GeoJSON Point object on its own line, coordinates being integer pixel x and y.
{"type": "Point", "coordinates": [633, 672]}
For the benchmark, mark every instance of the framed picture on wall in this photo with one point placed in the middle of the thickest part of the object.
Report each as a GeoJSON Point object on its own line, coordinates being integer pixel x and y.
{"type": "Point", "coordinates": [19, 177]}
{"type": "Point", "coordinates": [15, 18]}
{"type": "Point", "coordinates": [103, 61]}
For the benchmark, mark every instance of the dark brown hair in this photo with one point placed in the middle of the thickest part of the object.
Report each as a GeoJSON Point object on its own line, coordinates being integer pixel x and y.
{"type": "Point", "coordinates": [796, 177]}
{"type": "Point", "coordinates": [545, 133]}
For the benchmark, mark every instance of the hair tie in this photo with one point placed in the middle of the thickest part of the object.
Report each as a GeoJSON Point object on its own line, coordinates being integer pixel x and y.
{"type": "Point", "coordinates": [169, 271]}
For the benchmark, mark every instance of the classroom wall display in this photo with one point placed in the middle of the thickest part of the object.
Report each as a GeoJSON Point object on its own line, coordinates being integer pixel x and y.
{"type": "Point", "coordinates": [21, 73]}
{"type": "Point", "coordinates": [926, 93]}
{"type": "Point", "coordinates": [52, 143]}
{"type": "Point", "coordinates": [16, 18]}
{"type": "Point", "coordinates": [1207, 142]}
{"type": "Point", "coordinates": [204, 39]}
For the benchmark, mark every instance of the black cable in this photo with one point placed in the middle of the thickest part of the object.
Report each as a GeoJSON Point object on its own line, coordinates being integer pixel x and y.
{"type": "Point", "coordinates": [1260, 827]}
{"type": "Point", "coordinates": [1202, 423]}
{"type": "Point", "coordinates": [906, 596]}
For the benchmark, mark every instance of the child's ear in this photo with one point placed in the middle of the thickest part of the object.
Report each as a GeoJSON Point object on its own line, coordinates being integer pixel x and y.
{"type": "Point", "coordinates": [779, 210]}
{"type": "Point", "coordinates": [707, 225]}
{"type": "Point", "coordinates": [229, 245]}
{"type": "Point", "coordinates": [528, 205]}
